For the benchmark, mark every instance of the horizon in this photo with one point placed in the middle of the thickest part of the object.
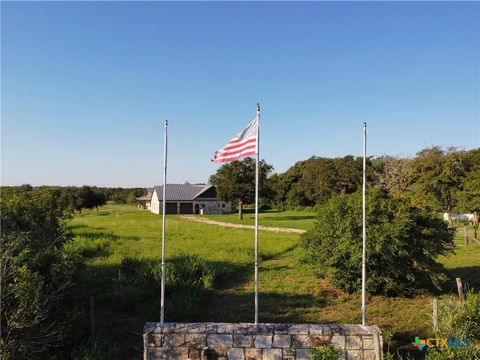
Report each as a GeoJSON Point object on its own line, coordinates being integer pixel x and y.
{"type": "Point", "coordinates": [207, 182]}
{"type": "Point", "coordinates": [86, 86]}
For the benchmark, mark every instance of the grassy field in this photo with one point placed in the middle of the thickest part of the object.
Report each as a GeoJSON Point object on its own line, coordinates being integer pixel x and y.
{"type": "Point", "coordinates": [289, 291]}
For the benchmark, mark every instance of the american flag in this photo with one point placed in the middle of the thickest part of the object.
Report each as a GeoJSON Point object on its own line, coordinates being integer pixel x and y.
{"type": "Point", "coordinates": [242, 145]}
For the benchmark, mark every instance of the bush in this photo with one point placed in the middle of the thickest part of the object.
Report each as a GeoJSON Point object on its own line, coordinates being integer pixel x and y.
{"type": "Point", "coordinates": [402, 244]}
{"type": "Point", "coordinates": [327, 352]}
{"type": "Point", "coordinates": [41, 314]}
{"type": "Point", "coordinates": [188, 281]}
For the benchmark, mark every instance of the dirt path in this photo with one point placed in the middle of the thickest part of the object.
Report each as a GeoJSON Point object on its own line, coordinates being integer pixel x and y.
{"type": "Point", "coordinates": [240, 226]}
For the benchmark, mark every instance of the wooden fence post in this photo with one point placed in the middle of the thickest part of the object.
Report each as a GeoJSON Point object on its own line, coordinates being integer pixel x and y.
{"type": "Point", "coordinates": [465, 235]}
{"type": "Point", "coordinates": [461, 295]}
{"type": "Point", "coordinates": [435, 315]}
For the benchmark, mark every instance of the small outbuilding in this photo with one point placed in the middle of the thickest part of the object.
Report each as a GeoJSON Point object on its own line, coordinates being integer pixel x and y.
{"type": "Point", "coordinates": [188, 199]}
{"type": "Point", "coordinates": [144, 201]}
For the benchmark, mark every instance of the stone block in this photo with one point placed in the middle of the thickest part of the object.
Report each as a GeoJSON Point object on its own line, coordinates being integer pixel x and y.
{"type": "Point", "coordinates": [319, 340]}
{"type": "Point", "coordinates": [156, 353]}
{"type": "Point", "coordinates": [316, 329]}
{"type": "Point", "coordinates": [243, 340]}
{"type": "Point", "coordinates": [200, 339]}
{"type": "Point", "coordinates": [354, 355]}
{"type": "Point", "coordinates": [245, 329]}
{"type": "Point", "coordinates": [368, 354]}
{"type": "Point", "coordinates": [272, 354]}
{"type": "Point", "coordinates": [288, 354]}
{"type": "Point", "coordinates": [338, 341]}
{"type": "Point", "coordinates": [327, 330]}
{"type": "Point", "coordinates": [194, 353]}
{"type": "Point", "coordinates": [298, 329]}
{"type": "Point", "coordinates": [174, 340]}
{"type": "Point", "coordinates": [180, 328]}
{"type": "Point", "coordinates": [280, 328]}
{"type": "Point", "coordinates": [303, 354]}
{"type": "Point", "coordinates": [197, 328]}
{"type": "Point", "coordinates": [253, 354]}
{"type": "Point", "coordinates": [166, 328]}
{"type": "Point", "coordinates": [337, 329]}
{"type": "Point", "coordinates": [300, 341]}
{"type": "Point", "coordinates": [155, 340]}
{"type": "Point", "coordinates": [211, 328]}
{"type": "Point", "coordinates": [170, 354]}
{"type": "Point", "coordinates": [354, 342]}
{"type": "Point", "coordinates": [219, 340]}
{"type": "Point", "coordinates": [265, 329]}
{"type": "Point", "coordinates": [368, 343]}
{"type": "Point", "coordinates": [225, 328]}
{"type": "Point", "coordinates": [281, 341]}
{"type": "Point", "coordinates": [235, 354]}
{"type": "Point", "coordinates": [220, 328]}
{"type": "Point", "coordinates": [221, 351]}
{"type": "Point", "coordinates": [263, 341]}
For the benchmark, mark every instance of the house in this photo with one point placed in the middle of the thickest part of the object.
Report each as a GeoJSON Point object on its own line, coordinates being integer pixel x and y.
{"type": "Point", "coordinates": [145, 200]}
{"type": "Point", "coordinates": [189, 199]}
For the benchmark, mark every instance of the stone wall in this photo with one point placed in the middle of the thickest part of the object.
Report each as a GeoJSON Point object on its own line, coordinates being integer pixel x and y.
{"type": "Point", "coordinates": [246, 341]}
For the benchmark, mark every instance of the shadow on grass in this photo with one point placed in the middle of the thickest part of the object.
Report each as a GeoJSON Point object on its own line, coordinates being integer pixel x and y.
{"type": "Point", "coordinates": [290, 218]}
{"type": "Point", "coordinates": [470, 276]}
{"type": "Point", "coordinates": [95, 235]}
{"type": "Point", "coordinates": [269, 256]}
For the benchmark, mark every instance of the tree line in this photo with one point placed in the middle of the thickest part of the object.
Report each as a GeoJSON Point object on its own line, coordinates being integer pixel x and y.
{"type": "Point", "coordinates": [74, 198]}
{"type": "Point", "coordinates": [442, 179]}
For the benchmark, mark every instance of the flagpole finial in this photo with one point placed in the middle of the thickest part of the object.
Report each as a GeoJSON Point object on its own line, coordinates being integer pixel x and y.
{"type": "Point", "coordinates": [258, 106]}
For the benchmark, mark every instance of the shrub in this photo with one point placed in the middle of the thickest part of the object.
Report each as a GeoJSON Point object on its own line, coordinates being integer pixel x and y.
{"type": "Point", "coordinates": [327, 352]}
{"type": "Point", "coordinates": [402, 244]}
{"type": "Point", "coordinates": [41, 316]}
{"type": "Point", "coordinates": [188, 280]}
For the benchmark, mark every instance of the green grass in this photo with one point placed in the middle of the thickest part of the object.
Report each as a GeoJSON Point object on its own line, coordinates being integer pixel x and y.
{"type": "Point", "coordinates": [289, 291]}
{"type": "Point", "coordinates": [289, 219]}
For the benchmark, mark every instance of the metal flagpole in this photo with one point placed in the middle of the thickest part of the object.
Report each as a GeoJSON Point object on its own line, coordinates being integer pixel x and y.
{"type": "Point", "coordinates": [164, 197]}
{"type": "Point", "coordinates": [256, 214]}
{"type": "Point", "coordinates": [364, 235]}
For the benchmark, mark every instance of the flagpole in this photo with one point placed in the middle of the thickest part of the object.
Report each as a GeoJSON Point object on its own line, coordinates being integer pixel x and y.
{"type": "Point", "coordinates": [164, 197]}
{"type": "Point", "coordinates": [364, 224]}
{"type": "Point", "coordinates": [256, 213]}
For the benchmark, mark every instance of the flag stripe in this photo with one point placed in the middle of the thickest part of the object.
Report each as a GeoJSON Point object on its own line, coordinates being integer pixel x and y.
{"type": "Point", "coordinates": [229, 154]}
{"type": "Point", "coordinates": [240, 148]}
{"type": "Point", "coordinates": [235, 157]}
{"type": "Point", "coordinates": [242, 145]}
{"type": "Point", "coordinates": [239, 144]}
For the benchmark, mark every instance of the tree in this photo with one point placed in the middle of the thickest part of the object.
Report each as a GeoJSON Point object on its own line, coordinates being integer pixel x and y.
{"type": "Point", "coordinates": [469, 196]}
{"type": "Point", "coordinates": [438, 175]}
{"type": "Point", "coordinates": [313, 181]}
{"type": "Point", "coordinates": [403, 242]}
{"type": "Point", "coordinates": [40, 312]}
{"type": "Point", "coordinates": [235, 182]}
{"type": "Point", "coordinates": [394, 174]}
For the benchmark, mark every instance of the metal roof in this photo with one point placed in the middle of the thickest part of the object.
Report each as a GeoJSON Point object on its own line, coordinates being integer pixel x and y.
{"type": "Point", "coordinates": [181, 192]}
{"type": "Point", "coordinates": [145, 197]}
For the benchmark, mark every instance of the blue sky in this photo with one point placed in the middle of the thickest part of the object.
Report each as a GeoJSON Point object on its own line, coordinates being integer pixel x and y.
{"type": "Point", "coordinates": [86, 86]}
